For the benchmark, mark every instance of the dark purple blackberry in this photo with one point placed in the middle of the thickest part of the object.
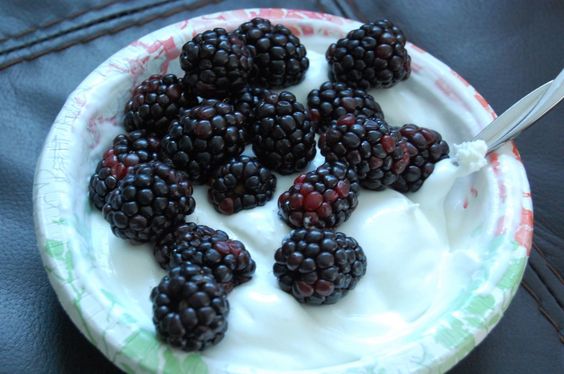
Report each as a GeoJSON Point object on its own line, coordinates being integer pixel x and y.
{"type": "Point", "coordinates": [189, 234]}
{"type": "Point", "coordinates": [149, 200]}
{"type": "Point", "coordinates": [217, 64]}
{"type": "Point", "coordinates": [335, 99]}
{"type": "Point", "coordinates": [323, 198]}
{"type": "Point", "coordinates": [369, 146]}
{"type": "Point", "coordinates": [249, 100]}
{"type": "Point", "coordinates": [126, 151]}
{"type": "Point", "coordinates": [284, 138]}
{"type": "Point", "coordinates": [426, 147]}
{"type": "Point", "coordinates": [228, 260]}
{"type": "Point", "coordinates": [318, 266]}
{"type": "Point", "coordinates": [242, 183]}
{"type": "Point", "coordinates": [279, 58]}
{"type": "Point", "coordinates": [373, 55]}
{"type": "Point", "coordinates": [190, 308]}
{"type": "Point", "coordinates": [155, 103]}
{"type": "Point", "coordinates": [206, 137]}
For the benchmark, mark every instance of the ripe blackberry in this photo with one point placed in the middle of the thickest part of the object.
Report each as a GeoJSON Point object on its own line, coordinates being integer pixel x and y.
{"type": "Point", "coordinates": [189, 234]}
{"type": "Point", "coordinates": [228, 260]}
{"type": "Point", "coordinates": [318, 266]}
{"type": "Point", "coordinates": [279, 58]}
{"type": "Point", "coordinates": [370, 147]}
{"type": "Point", "coordinates": [284, 138]}
{"type": "Point", "coordinates": [155, 103]}
{"type": "Point", "coordinates": [323, 198]}
{"type": "Point", "coordinates": [373, 55]}
{"type": "Point", "coordinates": [206, 137]}
{"type": "Point", "coordinates": [149, 200]}
{"type": "Point", "coordinates": [126, 151]}
{"type": "Point", "coordinates": [335, 99]}
{"type": "Point", "coordinates": [426, 147]}
{"type": "Point", "coordinates": [217, 63]}
{"type": "Point", "coordinates": [242, 183]}
{"type": "Point", "coordinates": [249, 100]}
{"type": "Point", "coordinates": [190, 308]}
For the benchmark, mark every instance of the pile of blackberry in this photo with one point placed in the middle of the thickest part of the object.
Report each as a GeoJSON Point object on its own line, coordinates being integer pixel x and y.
{"type": "Point", "coordinates": [193, 130]}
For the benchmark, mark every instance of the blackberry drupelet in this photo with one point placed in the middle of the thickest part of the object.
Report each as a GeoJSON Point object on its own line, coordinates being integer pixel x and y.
{"type": "Point", "coordinates": [249, 100]}
{"type": "Point", "coordinates": [373, 55]}
{"type": "Point", "coordinates": [373, 149]}
{"type": "Point", "coordinates": [227, 260]}
{"type": "Point", "coordinates": [217, 64]}
{"type": "Point", "coordinates": [323, 198]}
{"type": "Point", "coordinates": [206, 137]}
{"type": "Point", "coordinates": [149, 200]}
{"type": "Point", "coordinates": [190, 308]}
{"type": "Point", "coordinates": [318, 266]}
{"type": "Point", "coordinates": [126, 151]}
{"type": "Point", "coordinates": [155, 103]}
{"type": "Point", "coordinates": [284, 138]}
{"type": "Point", "coordinates": [189, 234]}
{"type": "Point", "coordinates": [335, 99]}
{"type": "Point", "coordinates": [426, 147]}
{"type": "Point", "coordinates": [279, 59]}
{"type": "Point", "coordinates": [242, 183]}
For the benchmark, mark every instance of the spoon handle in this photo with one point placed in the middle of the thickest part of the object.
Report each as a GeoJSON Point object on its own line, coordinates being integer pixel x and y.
{"type": "Point", "coordinates": [523, 113]}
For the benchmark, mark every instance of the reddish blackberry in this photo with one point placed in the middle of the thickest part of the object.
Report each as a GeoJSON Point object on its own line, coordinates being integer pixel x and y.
{"type": "Point", "coordinates": [190, 308]}
{"type": "Point", "coordinates": [187, 234]}
{"type": "Point", "coordinates": [370, 146]}
{"type": "Point", "coordinates": [126, 151]}
{"type": "Point", "coordinates": [217, 63]}
{"type": "Point", "coordinates": [373, 55]}
{"type": "Point", "coordinates": [323, 198]}
{"type": "Point", "coordinates": [149, 200]}
{"type": "Point", "coordinates": [335, 99]}
{"type": "Point", "coordinates": [284, 138]}
{"type": "Point", "coordinates": [318, 266]}
{"type": "Point", "coordinates": [279, 58]}
{"type": "Point", "coordinates": [426, 147]}
{"type": "Point", "coordinates": [155, 103]}
{"type": "Point", "coordinates": [228, 260]}
{"type": "Point", "coordinates": [206, 137]}
{"type": "Point", "coordinates": [242, 183]}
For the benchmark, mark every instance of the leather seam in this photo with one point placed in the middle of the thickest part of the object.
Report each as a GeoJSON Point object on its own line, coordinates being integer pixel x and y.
{"type": "Point", "coordinates": [85, 26]}
{"type": "Point", "coordinates": [89, 38]}
{"type": "Point", "coordinates": [548, 263]}
{"type": "Point", "coordinates": [549, 290]}
{"type": "Point", "coordinates": [542, 310]}
{"type": "Point", "coordinates": [57, 21]}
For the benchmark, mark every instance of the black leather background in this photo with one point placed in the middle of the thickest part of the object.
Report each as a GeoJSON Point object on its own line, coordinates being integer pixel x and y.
{"type": "Point", "coordinates": [505, 48]}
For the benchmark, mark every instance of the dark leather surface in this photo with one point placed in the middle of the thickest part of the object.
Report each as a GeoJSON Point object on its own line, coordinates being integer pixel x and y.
{"type": "Point", "coordinates": [505, 48]}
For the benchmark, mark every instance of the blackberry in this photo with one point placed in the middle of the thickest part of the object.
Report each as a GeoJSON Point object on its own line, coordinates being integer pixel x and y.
{"type": "Point", "coordinates": [426, 147]}
{"type": "Point", "coordinates": [373, 149]}
{"type": "Point", "coordinates": [284, 138]}
{"type": "Point", "coordinates": [323, 198]}
{"type": "Point", "coordinates": [149, 200]}
{"type": "Point", "coordinates": [155, 103]}
{"type": "Point", "coordinates": [228, 260]}
{"type": "Point", "coordinates": [318, 266]}
{"type": "Point", "coordinates": [373, 55]}
{"type": "Point", "coordinates": [335, 99]}
{"type": "Point", "coordinates": [217, 63]}
{"type": "Point", "coordinates": [206, 137]}
{"type": "Point", "coordinates": [189, 234]}
{"type": "Point", "coordinates": [249, 100]}
{"type": "Point", "coordinates": [126, 151]}
{"type": "Point", "coordinates": [279, 59]}
{"type": "Point", "coordinates": [242, 183]}
{"type": "Point", "coordinates": [190, 308]}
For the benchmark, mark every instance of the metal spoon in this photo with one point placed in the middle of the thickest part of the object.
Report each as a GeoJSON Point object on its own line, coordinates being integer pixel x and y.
{"type": "Point", "coordinates": [523, 113]}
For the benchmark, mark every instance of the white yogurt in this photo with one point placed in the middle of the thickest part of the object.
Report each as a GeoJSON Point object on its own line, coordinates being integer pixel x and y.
{"type": "Point", "coordinates": [412, 270]}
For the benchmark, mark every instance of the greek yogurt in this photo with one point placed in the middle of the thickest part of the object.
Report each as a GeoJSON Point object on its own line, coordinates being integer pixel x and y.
{"type": "Point", "coordinates": [416, 265]}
